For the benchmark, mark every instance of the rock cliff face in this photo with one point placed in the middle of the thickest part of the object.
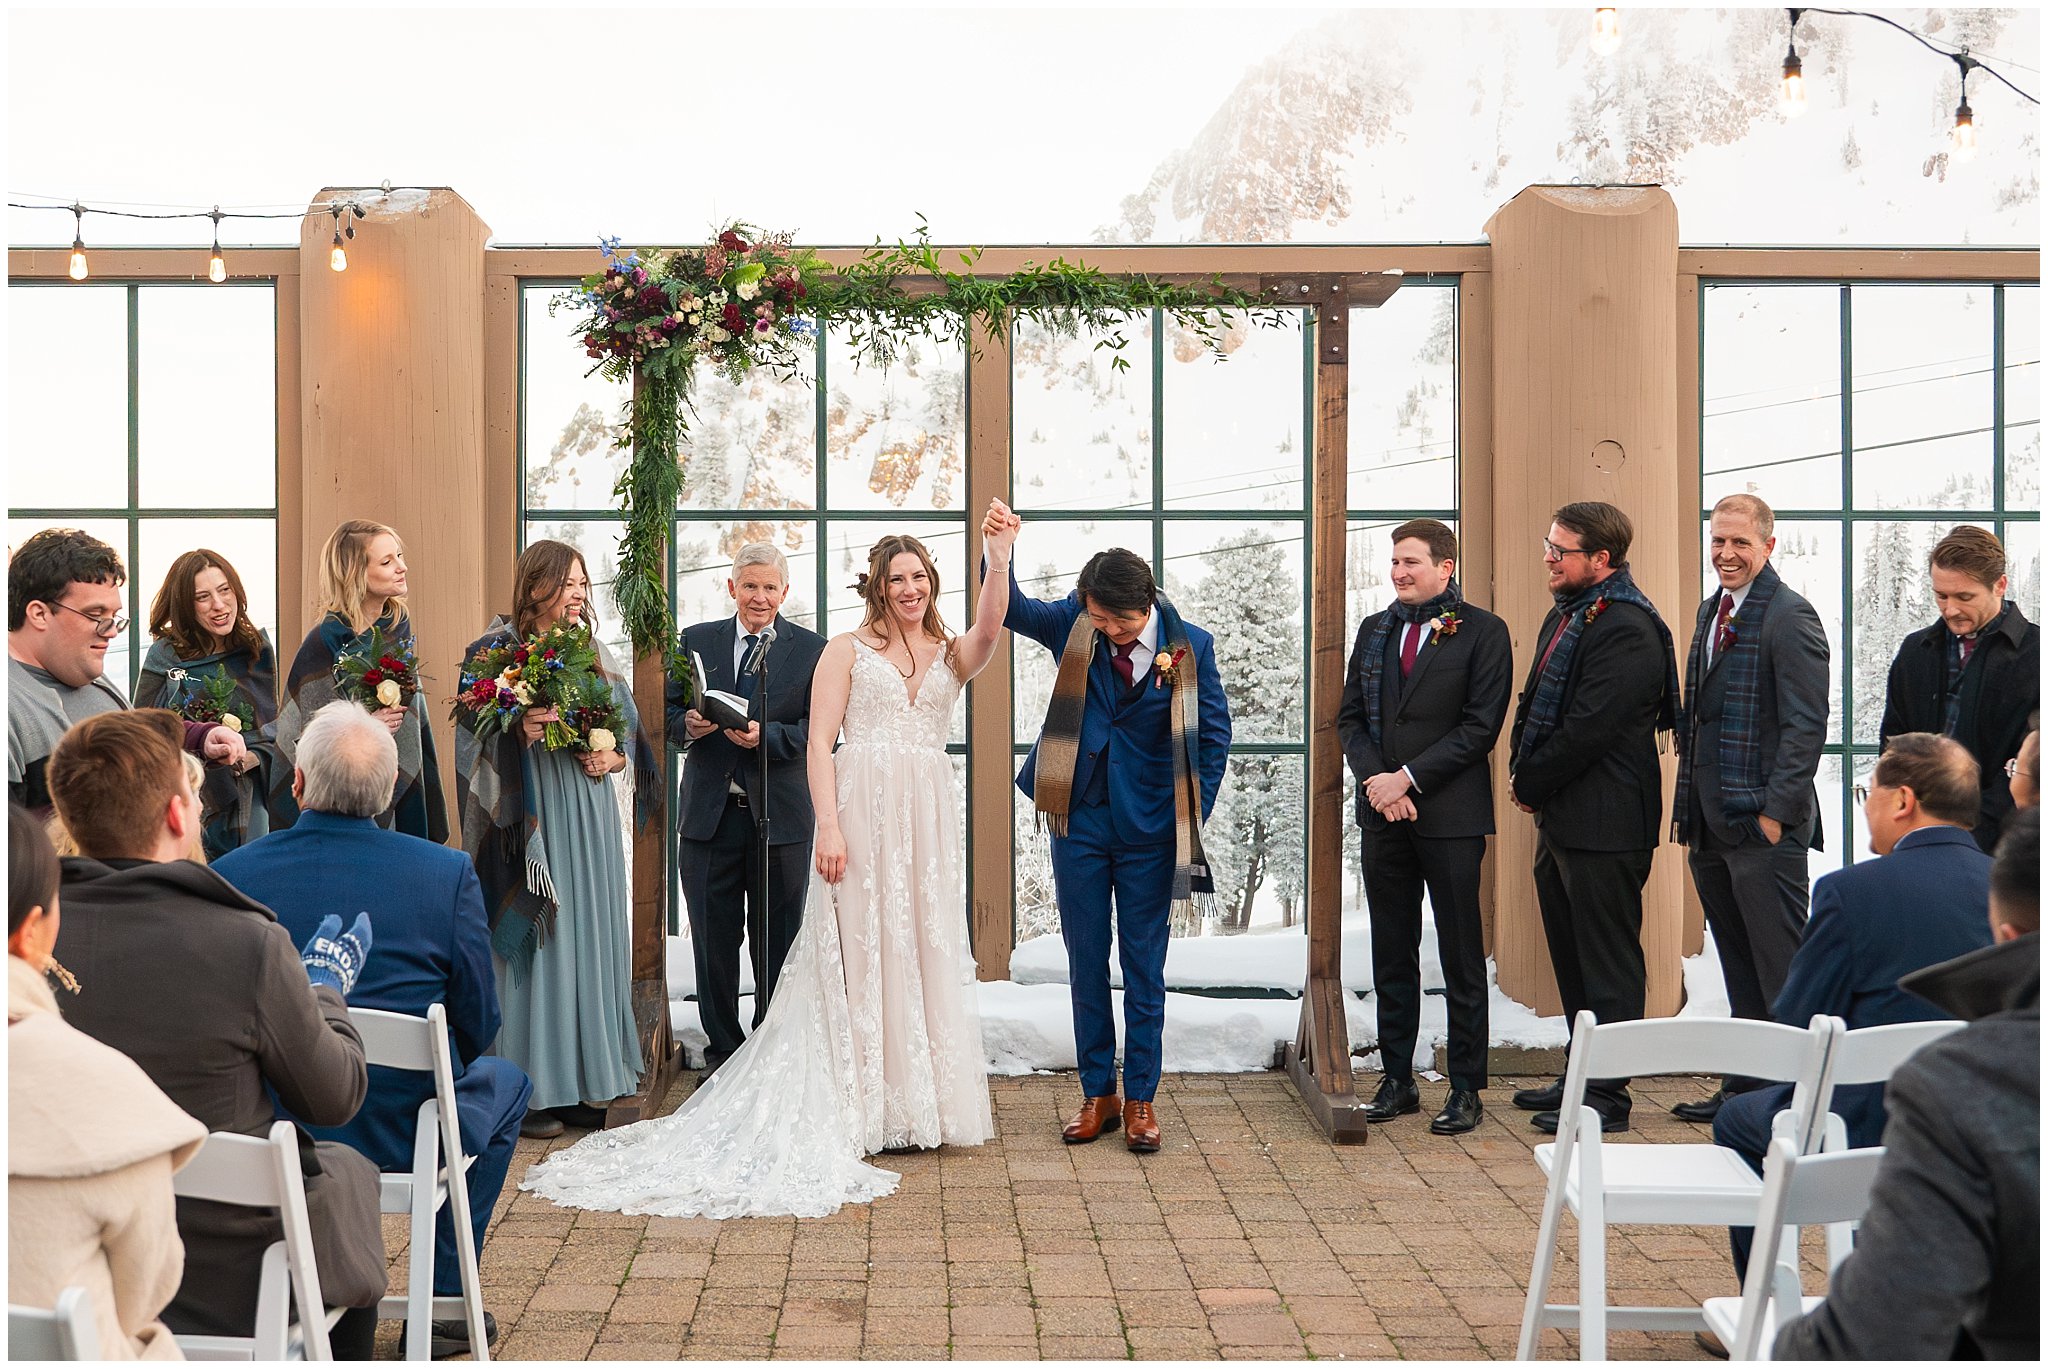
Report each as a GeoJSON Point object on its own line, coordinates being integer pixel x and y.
{"type": "Point", "coordinates": [1383, 126]}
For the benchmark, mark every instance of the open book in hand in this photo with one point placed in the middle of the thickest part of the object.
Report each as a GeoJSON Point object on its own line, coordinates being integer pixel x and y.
{"type": "Point", "coordinates": [717, 705]}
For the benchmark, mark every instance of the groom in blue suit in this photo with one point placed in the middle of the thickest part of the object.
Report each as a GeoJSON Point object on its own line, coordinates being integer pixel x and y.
{"type": "Point", "coordinates": [1123, 774]}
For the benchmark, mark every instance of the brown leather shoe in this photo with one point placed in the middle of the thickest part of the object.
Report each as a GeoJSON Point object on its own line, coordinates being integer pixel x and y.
{"type": "Point", "coordinates": [1096, 1116]}
{"type": "Point", "coordinates": [1141, 1128]}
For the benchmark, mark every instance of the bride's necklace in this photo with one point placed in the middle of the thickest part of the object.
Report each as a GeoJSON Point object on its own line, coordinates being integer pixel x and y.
{"type": "Point", "coordinates": [889, 643]}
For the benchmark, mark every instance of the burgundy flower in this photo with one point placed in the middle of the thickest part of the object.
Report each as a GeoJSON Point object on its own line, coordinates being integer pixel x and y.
{"type": "Point", "coordinates": [373, 676]}
{"type": "Point", "coordinates": [733, 242]}
{"type": "Point", "coordinates": [639, 276]}
{"type": "Point", "coordinates": [734, 320]}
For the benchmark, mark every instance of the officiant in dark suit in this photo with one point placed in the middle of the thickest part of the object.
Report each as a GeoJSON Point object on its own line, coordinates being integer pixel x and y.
{"type": "Point", "coordinates": [1424, 699]}
{"type": "Point", "coordinates": [1756, 714]}
{"type": "Point", "coordinates": [722, 796]}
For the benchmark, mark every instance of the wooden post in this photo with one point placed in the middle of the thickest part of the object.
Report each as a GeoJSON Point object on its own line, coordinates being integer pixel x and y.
{"type": "Point", "coordinates": [991, 768]}
{"type": "Point", "coordinates": [660, 1056]}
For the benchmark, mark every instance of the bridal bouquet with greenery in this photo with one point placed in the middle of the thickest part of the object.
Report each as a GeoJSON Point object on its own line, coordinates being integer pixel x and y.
{"type": "Point", "coordinates": [556, 669]}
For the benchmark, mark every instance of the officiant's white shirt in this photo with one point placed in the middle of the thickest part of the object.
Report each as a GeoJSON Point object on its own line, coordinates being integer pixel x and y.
{"type": "Point", "coordinates": [1147, 648]}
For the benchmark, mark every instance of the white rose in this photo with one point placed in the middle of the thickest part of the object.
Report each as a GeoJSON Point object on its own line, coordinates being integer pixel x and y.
{"type": "Point", "coordinates": [388, 693]}
{"type": "Point", "coordinates": [523, 692]}
{"type": "Point", "coordinates": [747, 289]}
{"type": "Point", "coordinates": [601, 739]}
{"type": "Point", "coordinates": [231, 722]}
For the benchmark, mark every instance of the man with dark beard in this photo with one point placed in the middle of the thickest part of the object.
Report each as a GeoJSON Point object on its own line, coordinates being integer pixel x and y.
{"type": "Point", "coordinates": [1604, 684]}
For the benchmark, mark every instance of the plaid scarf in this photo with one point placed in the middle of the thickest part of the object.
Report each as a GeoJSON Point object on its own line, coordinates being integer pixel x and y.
{"type": "Point", "coordinates": [1375, 662]}
{"type": "Point", "coordinates": [1546, 709]}
{"type": "Point", "coordinates": [234, 810]}
{"type": "Point", "coordinates": [1059, 749]}
{"type": "Point", "coordinates": [1742, 761]}
{"type": "Point", "coordinates": [501, 824]}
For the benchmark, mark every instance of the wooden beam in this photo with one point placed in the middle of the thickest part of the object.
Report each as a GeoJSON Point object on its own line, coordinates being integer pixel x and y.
{"type": "Point", "coordinates": [991, 822]}
{"type": "Point", "coordinates": [1692, 914]}
{"type": "Point", "coordinates": [164, 265]}
{"type": "Point", "coordinates": [1476, 563]}
{"type": "Point", "coordinates": [1188, 260]}
{"type": "Point", "coordinates": [1861, 263]}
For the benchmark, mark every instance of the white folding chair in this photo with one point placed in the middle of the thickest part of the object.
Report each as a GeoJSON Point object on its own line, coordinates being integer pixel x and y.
{"type": "Point", "coordinates": [1829, 1189]}
{"type": "Point", "coordinates": [401, 1042]}
{"type": "Point", "coordinates": [66, 1331]}
{"type": "Point", "coordinates": [1686, 1185]}
{"type": "Point", "coordinates": [249, 1171]}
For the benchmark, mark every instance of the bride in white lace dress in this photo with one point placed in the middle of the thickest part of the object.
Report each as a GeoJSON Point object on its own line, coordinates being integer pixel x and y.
{"type": "Point", "coordinates": [872, 1040]}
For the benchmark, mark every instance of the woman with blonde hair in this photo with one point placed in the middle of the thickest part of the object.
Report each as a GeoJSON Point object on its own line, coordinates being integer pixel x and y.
{"type": "Point", "coordinates": [362, 590]}
{"type": "Point", "coordinates": [91, 1142]}
{"type": "Point", "coordinates": [207, 650]}
{"type": "Point", "coordinates": [543, 828]}
{"type": "Point", "coordinates": [872, 1042]}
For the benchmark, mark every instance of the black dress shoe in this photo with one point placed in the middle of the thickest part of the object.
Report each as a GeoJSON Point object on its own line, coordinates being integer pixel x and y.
{"type": "Point", "coordinates": [1462, 1111]}
{"type": "Point", "coordinates": [1549, 1098]}
{"type": "Point", "coordinates": [540, 1126]}
{"type": "Point", "coordinates": [1700, 1109]}
{"type": "Point", "coordinates": [1610, 1121]}
{"type": "Point", "coordinates": [451, 1338]}
{"type": "Point", "coordinates": [1396, 1098]}
{"type": "Point", "coordinates": [581, 1115]}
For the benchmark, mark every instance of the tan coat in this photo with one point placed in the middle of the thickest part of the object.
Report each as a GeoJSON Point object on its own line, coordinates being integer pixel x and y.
{"type": "Point", "coordinates": [91, 1147]}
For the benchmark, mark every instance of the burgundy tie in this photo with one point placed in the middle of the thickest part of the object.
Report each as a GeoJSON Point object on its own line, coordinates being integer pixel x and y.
{"type": "Point", "coordinates": [1969, 644]}
{"type": "Point", "coordinates": [1411, 642]}
{"type": "Point", "coordinates": [1723, 635]}
{"type": "Point", "coordinates": [1121, 659]}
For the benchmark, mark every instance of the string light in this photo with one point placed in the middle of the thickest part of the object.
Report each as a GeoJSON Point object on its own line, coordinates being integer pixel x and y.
{"type": "Point", "coordinates": [1606, 30]}
{"type": "Point", "coordinates": [216, 265]}
{"type": "Point", "coordinates": [338, 258]}
{"type": "Point", "coordinates": [1792, 89]}
{"type": "Point", "coordinates": [79, 270]}
{"type": "Point", "coordinates": [1963, 138]}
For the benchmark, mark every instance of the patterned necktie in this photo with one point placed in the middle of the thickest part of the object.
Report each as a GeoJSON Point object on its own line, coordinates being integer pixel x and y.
{"type": "Point", "coordinates": [1723, 634]}
{"type": "Point", "coordinates": [746, 677]}
{"type": "Point", "coordinates": [1969, 645]}
{"type": "Point", "coordinates": [1121, 659]}
{"type": "Point", "coordinates": [1411, 643]}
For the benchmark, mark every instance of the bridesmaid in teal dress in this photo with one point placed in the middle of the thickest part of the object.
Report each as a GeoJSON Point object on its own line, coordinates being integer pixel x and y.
{"type": "Point", "coordinates": [206, 650]}
{"type": "Point", "coordinates": [362, 586]}
{"type": "Point", "coordinates": [544, 829]}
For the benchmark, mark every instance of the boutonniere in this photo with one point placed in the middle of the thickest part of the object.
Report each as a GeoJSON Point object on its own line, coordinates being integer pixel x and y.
{"type": "Point", "coordinates": [1599, 607]}
{"type": "Point", "coordinates": [1165, 667]}
{"type": "Point", "coordinates": [1445, 624]}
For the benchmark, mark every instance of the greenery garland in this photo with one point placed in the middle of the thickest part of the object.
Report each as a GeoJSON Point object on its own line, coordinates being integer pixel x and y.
{"type": "Point", "coordinates": [746, 299]}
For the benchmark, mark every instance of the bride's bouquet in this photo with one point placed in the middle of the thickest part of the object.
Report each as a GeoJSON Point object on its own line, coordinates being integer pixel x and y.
{"type": "Point", "coordinates": [555, 669]}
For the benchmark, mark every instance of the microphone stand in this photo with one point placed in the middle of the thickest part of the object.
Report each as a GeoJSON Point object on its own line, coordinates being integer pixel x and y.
{"type": "Point", "coordinates": [757, 906]}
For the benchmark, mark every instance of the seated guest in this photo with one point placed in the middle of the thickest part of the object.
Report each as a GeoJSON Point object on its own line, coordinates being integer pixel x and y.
{"type": "Point", "coordinates": [433, 946]}
{"type": "Point", "coordinates": [202, 988]}
{"type": "Point", "coordinates": [1947, 1264]}
{"type": "Point", "coordinates": [63, 611]}
{"type": "Point", "coordinates": [1922, 902]}
{"type": "Point", "coordinates": [89, 1200]}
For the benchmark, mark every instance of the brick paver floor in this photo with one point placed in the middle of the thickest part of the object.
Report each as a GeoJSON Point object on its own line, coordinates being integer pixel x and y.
{"type": "Point", "coordinates": [1246, 1237]}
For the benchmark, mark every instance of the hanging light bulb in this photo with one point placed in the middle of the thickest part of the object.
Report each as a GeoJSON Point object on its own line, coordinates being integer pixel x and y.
{"type": "Point", "coordinates": [1606, 30]}
{"type": "Point", "coordinates": [338, 257]}
{"type": "Point", "coordinates": [1792, 87]}
{"type": "Point", "coordinates": [79, 270]}
{"type": "Point", "coordinates": [216, 265]}
{"type": "Point", "coordinates": [1963, 138]}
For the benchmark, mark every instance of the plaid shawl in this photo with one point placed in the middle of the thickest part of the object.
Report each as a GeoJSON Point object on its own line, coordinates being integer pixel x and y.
{"type": "Point", "coordinates": [1059, 749]}
{"type": "Point", "coordinates": [1546, 709]}
{"type": "Point", "coordinates": [1375, 662]}
{"type": "Point", "coordinates": [234, 810]}
{"type": "Point", "coordinates": [1742, 761]}
{"type": "Point", "coordinates": [502, 830]}
{"type": "Point", "coordinates": [417, 807]}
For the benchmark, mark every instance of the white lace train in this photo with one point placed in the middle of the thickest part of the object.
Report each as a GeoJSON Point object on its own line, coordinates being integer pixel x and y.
{"type": "Point", "coordinates": [873, 1036]}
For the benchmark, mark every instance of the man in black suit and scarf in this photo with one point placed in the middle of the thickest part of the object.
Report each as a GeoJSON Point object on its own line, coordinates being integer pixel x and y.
{"type": "Point", "coordinates": [1423, 704]}
{"type": "Point", "coordinates": [722, 796]}
{"type": "Point", "coordinates": [1604, 684]}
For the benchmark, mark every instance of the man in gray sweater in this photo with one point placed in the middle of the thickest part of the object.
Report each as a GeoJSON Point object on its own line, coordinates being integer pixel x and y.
{"type": "Point", "coordinates": [1948, 1262]}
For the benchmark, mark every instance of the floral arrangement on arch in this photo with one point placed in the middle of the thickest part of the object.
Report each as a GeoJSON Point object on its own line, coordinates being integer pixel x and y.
{"type": "Point", "coordinates": [733, 303]}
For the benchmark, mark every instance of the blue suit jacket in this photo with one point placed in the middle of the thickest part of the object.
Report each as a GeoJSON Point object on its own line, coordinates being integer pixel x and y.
{"type": "Point", "coordinates": [430, 943]}
{"type": "Point", "coordinates": [1875, 922]}
{"type": "Point", "coordinates": [1129, 730]}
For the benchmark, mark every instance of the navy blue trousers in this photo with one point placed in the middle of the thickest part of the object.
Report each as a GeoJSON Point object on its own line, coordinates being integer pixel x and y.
{"type": "Point", "coordinates": [1091, 870]}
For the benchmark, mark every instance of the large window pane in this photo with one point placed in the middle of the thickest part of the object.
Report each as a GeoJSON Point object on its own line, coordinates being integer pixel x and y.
{"type": "Point", "coordinates": [1233, 437]}
{"type": "Point", "coordinates": [1922, 393]}
{"type": "Point", "coordinates": [570, 420]}
{"type": "Point", "coordinates": [2023, 397]}
{"type": "Point", "coordinates": [1404, 401]}
{"type": "Point", "coordinates": [1050, 553]}
{"type": "Point", "coordinates": [2023, 566]}
{"type": "Point", "coordinates": [1771, 395]}
{"type": "Point", "coordinates": [1081, 430]}
{"type": "Point", "coordinates": [896, 435]}
{"type": "Point", "coordinates": [1243, 582]}
{"type": "Point", "coordinates": [1256, 840]}
{"type": "Point", "coordinates": [67, 419]}
{"type": "Point", "coordinates": [207, 397]}
{"type": "Point", "coordinates": [753, 445]}
{"type": "Point", "coordinates": [704, 552]}
{"type": "Point", "coordinates": [1892, 599]}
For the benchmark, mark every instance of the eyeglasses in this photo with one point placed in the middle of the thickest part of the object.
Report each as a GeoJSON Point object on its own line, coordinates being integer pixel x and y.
{"type": "Point", "coordinates": [101, 627]}
{"type": "Point", "coordinates": [1553, 552]}
{"type": "Point", "coordinates": [1862, 793]}
{"type": "Point", "coordinates": [2012, 768]}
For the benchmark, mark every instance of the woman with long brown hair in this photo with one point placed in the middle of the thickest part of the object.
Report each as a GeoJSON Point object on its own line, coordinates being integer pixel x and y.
{"type": "Point", "coordinates": [362, 593]}
{"type": "Point", "coordinates": [208, 661]}
{"type": "Point", "coordinates": [543, 828]}
{"type": "Point", "coordinates": [872, 1042]}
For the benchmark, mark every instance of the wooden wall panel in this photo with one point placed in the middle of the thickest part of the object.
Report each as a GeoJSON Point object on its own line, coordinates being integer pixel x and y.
{"type": "Point", "coordinates": [1585, 352]}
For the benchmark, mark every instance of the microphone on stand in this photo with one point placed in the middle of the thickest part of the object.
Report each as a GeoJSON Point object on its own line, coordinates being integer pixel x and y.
{"type": "Point", "coordinates": [763, 638]}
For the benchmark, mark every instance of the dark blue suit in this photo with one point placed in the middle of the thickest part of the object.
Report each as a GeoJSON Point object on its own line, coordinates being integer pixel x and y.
{"type": "Point", "coordinates": [430, 944]}
{"type": "Point", "coordinates": [1119, 844]}
{"type": "Point", "coordinates": [1873, 923]}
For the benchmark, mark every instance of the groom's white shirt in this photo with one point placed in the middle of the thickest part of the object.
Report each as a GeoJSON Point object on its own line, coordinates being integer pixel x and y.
{"type": "Point", "coordinates": [1148, 647]}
